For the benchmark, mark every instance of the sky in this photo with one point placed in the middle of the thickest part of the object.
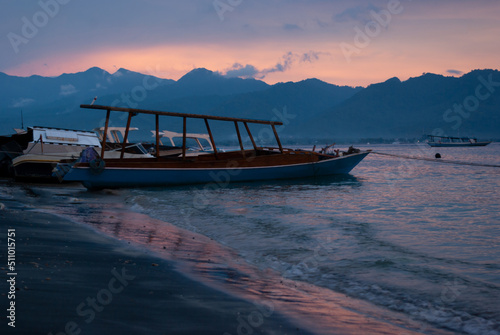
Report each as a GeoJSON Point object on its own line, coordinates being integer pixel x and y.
{"type": "Point", "coordinates": [343, 42]}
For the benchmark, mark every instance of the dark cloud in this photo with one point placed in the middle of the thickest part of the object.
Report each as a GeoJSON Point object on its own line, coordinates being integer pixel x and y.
{"type": "Point", "coordinates": [291, 27]}
{"type": "Point", "coordinates": [457, 72]}
{"type": "Point", "coordinates": [284, 64]}
{"type": "Point", "coordinates": [238, 70]}
{"type": "Point", "coordinates": [310, 56]}
{"type": "Point", "coordinates": [358, 14]}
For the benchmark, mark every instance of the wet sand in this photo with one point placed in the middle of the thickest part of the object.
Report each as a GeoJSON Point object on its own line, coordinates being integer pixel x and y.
{"type": "Point", "coordinates": [72, 280]}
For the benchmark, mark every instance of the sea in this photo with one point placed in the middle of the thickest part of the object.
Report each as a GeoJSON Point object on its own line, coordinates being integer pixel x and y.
{"type": "Point", "coordinates": [405, 239]}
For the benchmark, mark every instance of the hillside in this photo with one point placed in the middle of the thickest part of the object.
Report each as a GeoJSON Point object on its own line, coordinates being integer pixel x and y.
{"type": "Point", "coordinates": [430, 103]}
{"type": "Point", "coordinates": [312, 110]}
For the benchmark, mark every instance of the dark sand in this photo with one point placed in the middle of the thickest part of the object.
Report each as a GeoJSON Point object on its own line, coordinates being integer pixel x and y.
{"type": "Point", "coordinates": [63, 268]}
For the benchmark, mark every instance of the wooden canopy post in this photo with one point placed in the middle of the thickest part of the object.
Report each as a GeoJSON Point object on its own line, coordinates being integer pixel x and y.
{"type": "Point", "coordinates": [41, 143]}
{"type": "Point", "coordinates": [105, 134]}
{"type": "Point", "coordinates": [157, 136]}
{"type": "Point", "coordinates": [239, 138]}
{"type": "Point", "coordinates": [192, 116]}
{"type": "Point", "coordinates": [125, 137]}
{"type": "Point", "coordinates": [251, 137]}
{"type": "Point", "coordinates": [211, 138]}
{"type": "Point", "coordinates": [184, 138]}
{"type": "Point", "coordinates": [277, 137]}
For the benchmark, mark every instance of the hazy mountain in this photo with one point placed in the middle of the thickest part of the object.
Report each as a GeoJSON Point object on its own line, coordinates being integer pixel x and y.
{"type": "Point", "coordinates": [32, 92]}
{"type": "Point", "coordinates": [418, 106]}
{"type": "Point", "coordinates": [56, 101]}
{"type": "Point", "coordinates": [303, 99]}
{"type": "Point", "coordinates": [311, 109]}
{"type": "Point", "coordinates": [201, 82]}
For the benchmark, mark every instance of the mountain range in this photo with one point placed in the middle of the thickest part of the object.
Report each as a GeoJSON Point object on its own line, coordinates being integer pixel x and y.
{"type": "Point", "coordinates": [311, 110]}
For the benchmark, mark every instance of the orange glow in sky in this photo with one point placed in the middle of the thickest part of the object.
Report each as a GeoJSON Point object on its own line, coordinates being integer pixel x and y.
{"type": "Point", "coordinates": [353, 43]}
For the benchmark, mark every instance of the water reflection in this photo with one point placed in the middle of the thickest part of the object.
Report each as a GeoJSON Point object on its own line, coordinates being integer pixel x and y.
{"type": "Point", "coordinates": [200, 257]}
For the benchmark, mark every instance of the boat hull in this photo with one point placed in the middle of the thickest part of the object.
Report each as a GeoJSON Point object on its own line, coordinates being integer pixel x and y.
{"type": "Point", "coordinates": [126, 176]}
{"type": "Point", "coordinates": [33, 167]}
{"type": "Point", "coordinates": [465, 144]}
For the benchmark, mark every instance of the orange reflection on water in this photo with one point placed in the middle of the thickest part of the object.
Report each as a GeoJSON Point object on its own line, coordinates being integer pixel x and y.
{"type": "Point", "coordinates": [202, 259]}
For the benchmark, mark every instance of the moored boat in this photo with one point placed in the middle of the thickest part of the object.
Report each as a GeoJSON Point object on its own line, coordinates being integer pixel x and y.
{"type": "Point", "coordinates": [449, 141]}
{"type": "Point", "coordinates": [174, 149]}
{"type": "Point", "coordinates": [12, 146]}
{"type": "Point", "coordinates": [46, 147]}
{"type": "Point", "coordinates": [259, 163]}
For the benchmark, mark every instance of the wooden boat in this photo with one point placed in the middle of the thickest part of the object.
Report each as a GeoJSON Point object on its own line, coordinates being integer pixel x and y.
{"type": "Point", "coordinates": [448, 141]}
{"type": "Point", "coordinates": [218, 168]}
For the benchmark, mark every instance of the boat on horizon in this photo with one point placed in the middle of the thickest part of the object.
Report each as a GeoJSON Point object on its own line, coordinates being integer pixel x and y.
{"type": "Point", "coordinates": [96, 171]}
{"type": "Point", "coordinates": [449, 141]}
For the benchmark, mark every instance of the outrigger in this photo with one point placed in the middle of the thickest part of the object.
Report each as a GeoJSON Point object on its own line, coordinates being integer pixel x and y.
{"type": "Point", "coordinates": [243, 165]}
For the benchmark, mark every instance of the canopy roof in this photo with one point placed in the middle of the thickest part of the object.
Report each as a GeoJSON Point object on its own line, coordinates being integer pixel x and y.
{"type": "Point", "coordinates": [187, 115]}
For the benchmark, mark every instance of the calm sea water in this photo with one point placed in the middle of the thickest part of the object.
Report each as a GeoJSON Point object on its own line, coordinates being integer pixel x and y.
{"type": "Point", "coordinates": [413, 242]}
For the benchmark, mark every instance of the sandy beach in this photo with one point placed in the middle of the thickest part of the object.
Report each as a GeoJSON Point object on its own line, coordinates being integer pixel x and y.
{"type": "Point", "coordinates": [71, 280]}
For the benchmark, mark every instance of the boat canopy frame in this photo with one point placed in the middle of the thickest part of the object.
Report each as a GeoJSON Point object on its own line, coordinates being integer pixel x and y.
{"type": "Point", "coordinates": [134, 111]}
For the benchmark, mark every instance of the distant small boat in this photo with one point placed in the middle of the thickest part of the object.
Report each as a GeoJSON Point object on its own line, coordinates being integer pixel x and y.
{"type": "Point", "coordinates": [96, 171]}
{"type": "Point", "coordinates": [448, 141]}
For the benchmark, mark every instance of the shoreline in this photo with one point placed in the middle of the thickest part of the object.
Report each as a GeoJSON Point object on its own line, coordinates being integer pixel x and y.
{"type": "Point", "coordinates": [71, 280]}
{"type": "Point", "coordinates": [232, 296]}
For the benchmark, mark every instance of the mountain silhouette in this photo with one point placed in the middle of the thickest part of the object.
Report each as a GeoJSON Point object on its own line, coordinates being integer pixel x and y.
{"type": "Point", "coordinates": [312, 110]}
